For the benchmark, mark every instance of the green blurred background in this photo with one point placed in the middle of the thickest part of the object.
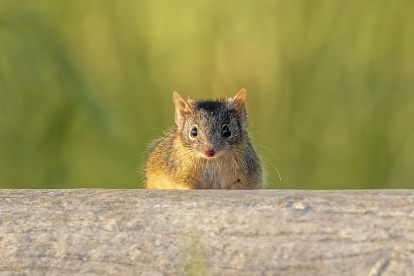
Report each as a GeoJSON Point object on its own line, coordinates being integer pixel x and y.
{"type": "Point", "coordinates": [86, 85]}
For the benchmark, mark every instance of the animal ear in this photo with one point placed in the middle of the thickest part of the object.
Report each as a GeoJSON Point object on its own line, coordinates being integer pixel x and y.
{"type": "Point", "coordinates": [237, 104]}
{"type": "Point", "coordinates": [241, 96]}
{"type": "Point", "coordinates": [182, 107]}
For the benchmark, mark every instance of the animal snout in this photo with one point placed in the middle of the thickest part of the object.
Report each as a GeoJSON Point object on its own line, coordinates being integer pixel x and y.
{"type": "Point", "coordinates": [210, 153]}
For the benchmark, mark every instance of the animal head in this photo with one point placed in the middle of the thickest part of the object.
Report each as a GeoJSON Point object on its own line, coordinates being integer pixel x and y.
{"type": "Point", "coordinates": [210, 127]}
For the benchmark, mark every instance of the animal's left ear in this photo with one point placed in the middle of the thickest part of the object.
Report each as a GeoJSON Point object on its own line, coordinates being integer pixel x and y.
{"type": "Point", "coordinates": [237, 104]}
{"type": "Point", "coordinates": [241, 96]}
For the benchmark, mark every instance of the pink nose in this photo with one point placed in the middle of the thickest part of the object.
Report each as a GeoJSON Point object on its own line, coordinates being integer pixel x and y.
{"type": "Point", "coordinates": [210, 153]}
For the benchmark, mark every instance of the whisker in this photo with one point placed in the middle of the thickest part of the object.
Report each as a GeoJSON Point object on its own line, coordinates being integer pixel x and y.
{"type": "Point", "coordinates": [232, 121]}
{"type": "Point", "coordinates": [280, 178]}
{"type": "Point", "coordinates": [269, 150]}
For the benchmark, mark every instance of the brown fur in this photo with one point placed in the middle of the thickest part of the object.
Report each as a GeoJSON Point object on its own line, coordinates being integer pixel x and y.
{"type": "Point", "coordinates": [178, 162]}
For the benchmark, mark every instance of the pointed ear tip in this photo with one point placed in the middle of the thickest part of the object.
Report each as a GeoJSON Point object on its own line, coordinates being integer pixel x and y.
{"type": "Point", "coordinates": [176, 96]}
{"type": "Point", "coordinates": [242, 95]}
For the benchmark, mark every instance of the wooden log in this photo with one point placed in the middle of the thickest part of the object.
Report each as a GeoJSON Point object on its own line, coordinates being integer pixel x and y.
{"type": "Point", "coordinates": [216, 232]}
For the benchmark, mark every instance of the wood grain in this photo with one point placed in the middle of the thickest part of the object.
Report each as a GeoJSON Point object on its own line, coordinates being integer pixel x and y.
{"type": "Point", "coordinates": [216, 232]}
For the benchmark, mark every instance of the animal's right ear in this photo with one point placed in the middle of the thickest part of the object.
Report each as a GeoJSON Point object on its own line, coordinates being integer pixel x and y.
{"type": "Point", "coordinates": [182, 108]}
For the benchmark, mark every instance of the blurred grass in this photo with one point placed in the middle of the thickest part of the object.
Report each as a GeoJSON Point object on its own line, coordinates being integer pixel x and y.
{"type": "Point", "coordinates": [86, 85]}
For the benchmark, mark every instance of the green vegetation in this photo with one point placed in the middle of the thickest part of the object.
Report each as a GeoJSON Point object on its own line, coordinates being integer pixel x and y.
{"type": "Point", "coordinates": [86, 85]}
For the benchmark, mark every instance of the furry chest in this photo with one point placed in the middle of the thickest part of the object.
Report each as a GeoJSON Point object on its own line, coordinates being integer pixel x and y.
{"type": "Point", "coordinates": [217, 174]}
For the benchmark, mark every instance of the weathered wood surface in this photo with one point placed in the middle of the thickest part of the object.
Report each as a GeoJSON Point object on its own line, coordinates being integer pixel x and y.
{"type": "Point", "coordinates": [148, 232]}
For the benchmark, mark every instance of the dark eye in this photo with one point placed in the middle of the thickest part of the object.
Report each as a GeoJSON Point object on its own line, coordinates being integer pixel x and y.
{"type": "Point", "coordinates": [226, 131]}
{"type": "Point", "coordinates": [193, 132]}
